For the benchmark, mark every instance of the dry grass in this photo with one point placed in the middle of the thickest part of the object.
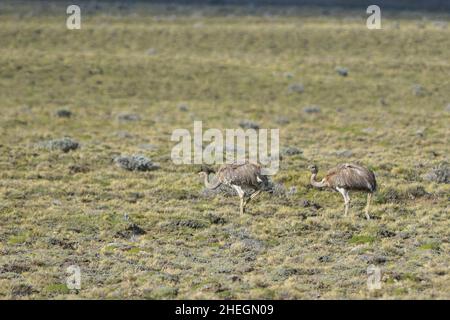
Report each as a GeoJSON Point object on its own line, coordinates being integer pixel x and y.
{"type": "Point", "coordinates": [59, 209]}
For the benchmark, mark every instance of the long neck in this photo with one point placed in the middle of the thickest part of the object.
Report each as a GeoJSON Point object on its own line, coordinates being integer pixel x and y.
{"type": "Point", "coordinates": [209, 185]}
{"type": "Point", "coordinates": [315, 183]}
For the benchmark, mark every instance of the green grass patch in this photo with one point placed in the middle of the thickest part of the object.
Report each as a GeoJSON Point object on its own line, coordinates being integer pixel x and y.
{"type": "Point", "coordinates": [430, 246]}
{"type": "Point", "coordinates": [18, 239]}
{"type": "Point", "coordinates": [57, 288]}
{"type": "Point", "coordinates": [361, 239]}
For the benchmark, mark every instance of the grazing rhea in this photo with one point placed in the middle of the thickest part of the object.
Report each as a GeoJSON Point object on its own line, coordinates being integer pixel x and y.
{"type": "Point", "coordinates": [346, 177]}
{"type": "Point", "coordinates": [242, 177]}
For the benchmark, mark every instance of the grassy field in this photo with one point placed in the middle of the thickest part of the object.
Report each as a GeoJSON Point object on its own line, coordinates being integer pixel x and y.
{"type": "Point", "coordinates": [132, 75]}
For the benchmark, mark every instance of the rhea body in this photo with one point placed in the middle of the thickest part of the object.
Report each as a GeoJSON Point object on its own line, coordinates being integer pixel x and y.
{"type": "Point", "coordinates": [246, 179]}
{"type": "Point", "coordinates": [347, 177]}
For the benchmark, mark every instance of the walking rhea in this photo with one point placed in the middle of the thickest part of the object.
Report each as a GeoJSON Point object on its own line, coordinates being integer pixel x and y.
{"type": "Point", "coordinates": [346, 177]}
{"type": "Point", "coordinates": [245, 178]}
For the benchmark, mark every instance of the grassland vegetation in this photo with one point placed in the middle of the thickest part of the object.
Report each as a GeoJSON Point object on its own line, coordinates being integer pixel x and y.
{"type": "Point", "coordinates": [74, 101]}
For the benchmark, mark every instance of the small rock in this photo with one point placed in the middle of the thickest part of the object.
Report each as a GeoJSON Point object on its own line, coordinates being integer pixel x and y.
{"type": "Point", "coordinates": [65, 144]}
{"type": "Point", "coordinates": [383, 102]}
{"type": "Point", "coordinates": [344, 153]}
{"type": "Point", "coordinates": [418, 90]}
{"type": "Point", "coordinates": [183, 107]}
{"type": "Point", "coordinates": [296, 88]}
{"type": "Point", "coordinates": [128, 117]}
{"type": "Point", "coordinates": [124, 135]}
{"type": "Point", "coordinates": [292, 151]}
{"type": "Point", "coordinates": [311, 109]}
{"type": "Point", "coordinates": [439, 174]}
{"type": "Point", "coordinates": [342, 71]}
{"type": "Point", "coordinates": [63, 113]}
{"type": "Point", "coordinates": [151, 52]}
{"type": "Point", "coordinates": [135, 163]}
{"type": "Point", "coordinates": [420, 132]}
{"type": "Point", "coordinates": [324, 259]}
{"type": "Point", "coordinates": [447, 108]}
{"type": "Point", "coordinates": [281, 120]}
{"type": "Point", "coordinates": [247, 124]}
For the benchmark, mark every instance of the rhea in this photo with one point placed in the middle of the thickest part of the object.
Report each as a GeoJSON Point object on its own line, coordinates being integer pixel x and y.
{"type": "Point", "coordinates": [245, 178]}
{"type": "Point", "coordinates": [347, 177]}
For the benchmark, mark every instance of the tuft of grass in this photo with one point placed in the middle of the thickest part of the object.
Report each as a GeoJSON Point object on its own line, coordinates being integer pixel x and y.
{"type": "Point", "coordinates": [134, 251]}
{"type": "Point", "coordinates": [430, 246]}
{"type": "Point", "coordinates": [361, 239]}
{"type": "Point", "coordinates": [18, 239]}
{"type": "Point", "coordinates": [57, 288]}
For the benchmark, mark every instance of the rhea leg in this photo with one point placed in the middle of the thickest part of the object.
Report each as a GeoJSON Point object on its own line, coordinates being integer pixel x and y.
{"type": "Point", "coordinates": [252, 196]}
{"type": "Point", "coordinates": [347, 202]}
{"type": "Point", "coordinates": [369, 197]}
{"type": "Point", "coordinates": [241, 194]}
{"type": "Point", "coordinates": [346, 197]}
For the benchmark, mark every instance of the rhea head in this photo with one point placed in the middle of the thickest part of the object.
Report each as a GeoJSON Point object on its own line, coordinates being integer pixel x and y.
{"type": "Point", "coordinates": [205, 171]}
{"type": "Point", "coordinates": [313, 168]}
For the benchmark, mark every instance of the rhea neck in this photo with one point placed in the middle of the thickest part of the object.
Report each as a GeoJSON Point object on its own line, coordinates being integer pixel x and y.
{"type": "Point", "coordinates": [315, 183]}
{"type": "Point", "coordinates": [208, 184]}
{"type": "Point", "coordinates": [205, 178]}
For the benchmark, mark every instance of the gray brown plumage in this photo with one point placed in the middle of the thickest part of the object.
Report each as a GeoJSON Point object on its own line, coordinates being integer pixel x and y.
{"type": "Point", "coordinates": [242, 177]}
{"type": "Point", "coordinates": [346, 177]}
